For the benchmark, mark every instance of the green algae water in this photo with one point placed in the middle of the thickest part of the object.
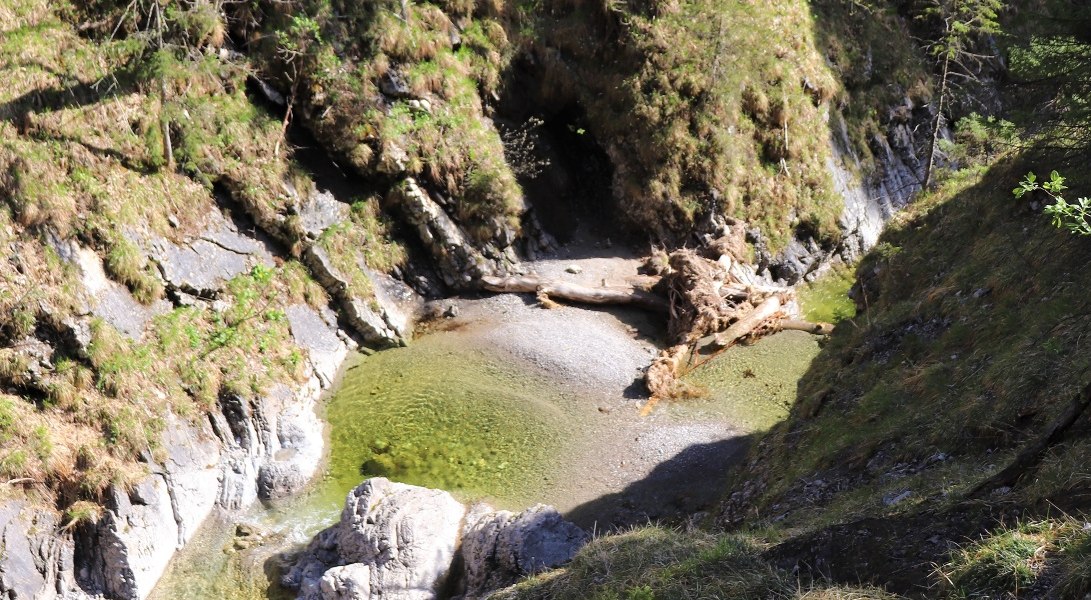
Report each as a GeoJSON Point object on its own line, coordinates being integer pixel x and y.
{"type": "Point", "coordinates": [433, 414]}
{"type": "Point", "coordinates": [826, 299]}
{"type": "Point", "coordinates": [753, 386]}
{"type": "Point", "coordinates": [442, 416]}
{"type": "Point", "coordinates": [449, 413]}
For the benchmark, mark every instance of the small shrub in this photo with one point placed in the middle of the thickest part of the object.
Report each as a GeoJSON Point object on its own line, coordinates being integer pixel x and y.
{"type": "Point", "coordinates": [13, 367]}
{"type": "Point", "coordinates": [125, 263]}
{"type": "Point", "coordinates": [14, 463]}
{"type": "Point", "coordinates": [1075, 566]}
{"type": "Point", "coordinates": [8, 420]}
{"type": "Point", "coordinates": [23, 321]}
{"type": "Point", "coordinates": [82, 512]}
{"type": "Point", "coordinates": [1074, 217]}
{"type": "Point", "coordinates": [42, 443]}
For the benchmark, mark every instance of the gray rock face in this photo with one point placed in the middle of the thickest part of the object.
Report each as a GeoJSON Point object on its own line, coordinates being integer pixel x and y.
{"type": "Point", "coordinates": [34, 563]}
{"type": "Point", "coordinates": [371, 320]}
{"type": "Point", "coordinates": [872, 194]}
{"type": "Point", "coordinates": [457, 260]}
{"type": "Point", "coordinates": [111, 301]}
{"type": "Point", "coordinates": [201, 266]}
{"type": "Point", "coordinates": [137, 539]}
{"type": "Point", "coordinates": [266, 446]}
{"type": "Point", "coordinates": [271, 446]}
{"type": "Point", "coordinates": [402, 542]}
{"type": "Point", "coordinates": [311, 332]}
{"type": "Point", "coordinates": [320, 212]}
{"type": "Point", "coordinates": [870, 202]}
{"type": "Point", "coordinates": [499, 548]}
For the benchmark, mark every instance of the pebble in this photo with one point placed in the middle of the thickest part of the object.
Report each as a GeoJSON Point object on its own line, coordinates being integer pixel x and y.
{"type": "Point", "coordinates": [891, 500]}
{"type": "Point", "coordinates": [574, 269]}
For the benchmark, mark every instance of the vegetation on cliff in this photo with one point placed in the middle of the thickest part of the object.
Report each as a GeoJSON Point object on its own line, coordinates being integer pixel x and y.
{"type": "Point", "coordinates": [937, 445]}
{"type": "Point", "coordinates": [943, 428]}
{"type": "Point", "coordinates": [696, 114]}
{"type": "Point", "coordinates": [81, 169]}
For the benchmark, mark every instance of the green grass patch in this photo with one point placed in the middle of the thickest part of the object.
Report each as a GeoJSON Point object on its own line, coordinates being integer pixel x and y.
{"type": "Point", "coordinates": [665, 564]}
{"type": "Point", "coordinates": [826, 299]}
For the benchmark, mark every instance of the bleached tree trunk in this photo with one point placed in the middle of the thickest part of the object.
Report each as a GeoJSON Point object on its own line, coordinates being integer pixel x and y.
{"type": "Point", "coordinates": [930, 162]}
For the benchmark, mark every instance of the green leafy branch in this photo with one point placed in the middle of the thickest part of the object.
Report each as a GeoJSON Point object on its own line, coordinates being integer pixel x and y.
{"type": "Point", "coordinates": [1072, 216]}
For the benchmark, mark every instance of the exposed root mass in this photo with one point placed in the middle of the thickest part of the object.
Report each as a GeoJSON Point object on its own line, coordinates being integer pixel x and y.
{"type": "Point", "coordinates": [712, 303]}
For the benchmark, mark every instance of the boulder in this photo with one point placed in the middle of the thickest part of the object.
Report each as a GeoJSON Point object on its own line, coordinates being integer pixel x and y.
{"type": "Point", "coordinates": [500, 547]}
{"type": "Point", "coordinates": [400, 538]}
{"type": "Point", "coordinates": [402, 542]}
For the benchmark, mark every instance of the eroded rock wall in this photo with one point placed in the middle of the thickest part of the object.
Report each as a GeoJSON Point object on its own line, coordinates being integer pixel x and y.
{"type": "Point", "coordinates": [250, 446]}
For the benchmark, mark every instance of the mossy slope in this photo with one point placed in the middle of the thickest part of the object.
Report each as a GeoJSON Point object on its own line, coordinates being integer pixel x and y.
{"type": "Point", "coordinates": [965, 353]}
{"type": "Point", "coordinates": [703, 108]}
{"type": "Point", "coordinates": [81, 167]}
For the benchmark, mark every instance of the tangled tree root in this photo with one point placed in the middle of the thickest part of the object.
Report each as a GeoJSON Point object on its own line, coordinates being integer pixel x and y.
{"type": "Point", "coordinates": [711, 305]}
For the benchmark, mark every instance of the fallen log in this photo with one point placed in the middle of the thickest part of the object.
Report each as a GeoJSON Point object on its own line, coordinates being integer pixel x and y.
{"type": "Point", "coordinates": [746, 325]}
{"type": "Point", "coordinates": [664, 377]}
{"type": "Point", "coordinates": [710, 305]}
{"type": "Point", "coordinates": [573, 292]}
{"type": "Point", "coordinates": [809, 327]}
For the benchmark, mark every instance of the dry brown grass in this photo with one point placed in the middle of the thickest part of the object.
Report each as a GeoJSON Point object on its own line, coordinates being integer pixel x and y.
{"type": "Point", "coordinates": [79, 167]}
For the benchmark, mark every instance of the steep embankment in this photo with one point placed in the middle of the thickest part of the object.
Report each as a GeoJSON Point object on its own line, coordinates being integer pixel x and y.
{"type": "Point", "coordinates": [951, 408]}
{"type": "Point", "coordinates": [163, 343]}
{"type": "Point", "coordinates": [178, 289]}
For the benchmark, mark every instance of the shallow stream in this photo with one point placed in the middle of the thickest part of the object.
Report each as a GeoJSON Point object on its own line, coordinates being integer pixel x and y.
{"type": "Point", "coordinates": [468, 410]}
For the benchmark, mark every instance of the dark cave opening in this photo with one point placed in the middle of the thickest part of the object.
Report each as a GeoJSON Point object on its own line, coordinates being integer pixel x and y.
{"type": "Point", "coordinates": [569, 183]}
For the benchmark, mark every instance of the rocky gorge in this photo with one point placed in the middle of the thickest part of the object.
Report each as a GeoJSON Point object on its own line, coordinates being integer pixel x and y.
{"type": "Point", "coordinates": [253, 448]}
{"type": "Point", "coordinates": [225, 306]}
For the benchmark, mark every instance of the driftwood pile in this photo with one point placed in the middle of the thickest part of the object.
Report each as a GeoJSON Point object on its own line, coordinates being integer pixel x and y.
{"type": "Point", "coordinates": [712, 301]}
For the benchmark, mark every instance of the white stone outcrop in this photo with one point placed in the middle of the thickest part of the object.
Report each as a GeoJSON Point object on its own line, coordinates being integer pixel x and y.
{"type": "Point", "coordinates": [402, 542]}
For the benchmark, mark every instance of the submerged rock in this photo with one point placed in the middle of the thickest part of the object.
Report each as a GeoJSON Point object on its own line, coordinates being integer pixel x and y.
{"type": "Point", "coordinates": [402, 542]}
